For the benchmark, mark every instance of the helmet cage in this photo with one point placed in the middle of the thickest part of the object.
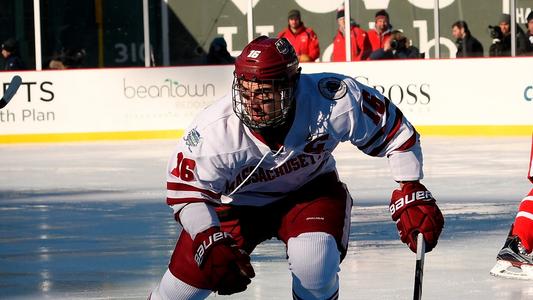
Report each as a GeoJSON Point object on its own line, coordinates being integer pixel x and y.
{"type": "Point", "coordinates": [250, 106]}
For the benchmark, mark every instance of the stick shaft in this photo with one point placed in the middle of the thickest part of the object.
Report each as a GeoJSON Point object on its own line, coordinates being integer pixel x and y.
{"type": "Point", "coordinates": [419, 268]}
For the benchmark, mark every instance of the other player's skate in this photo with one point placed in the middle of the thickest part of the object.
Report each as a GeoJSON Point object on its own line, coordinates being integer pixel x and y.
{"type": "Point", "coordinates": [513, 261]}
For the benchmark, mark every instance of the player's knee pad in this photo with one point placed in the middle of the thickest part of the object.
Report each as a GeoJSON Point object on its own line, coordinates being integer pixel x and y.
{"type": "Point", "coordinates": [171, 287]}
{"type": "Point", "coordinates": [314, 262]}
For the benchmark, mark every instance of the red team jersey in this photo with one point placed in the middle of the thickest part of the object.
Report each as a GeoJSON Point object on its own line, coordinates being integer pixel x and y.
{"type": "Point", "coordinates": [219, 160]}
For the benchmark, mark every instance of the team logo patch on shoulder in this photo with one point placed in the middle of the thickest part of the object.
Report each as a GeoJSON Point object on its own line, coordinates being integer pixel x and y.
{"type": "Point", "coordinates": [332, 88]}
{"type": "Point", "coordinates": [192, 139]}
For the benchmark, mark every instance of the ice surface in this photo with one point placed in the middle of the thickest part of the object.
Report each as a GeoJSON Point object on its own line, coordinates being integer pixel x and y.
{"type": "Point", "coordinates": [89, 221]}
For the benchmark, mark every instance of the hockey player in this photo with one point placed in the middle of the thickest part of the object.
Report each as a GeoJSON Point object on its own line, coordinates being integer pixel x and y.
{"type": "Point", "coordinates": [258, 164]}
{"type": "Point", "coordinates": [515, 259]}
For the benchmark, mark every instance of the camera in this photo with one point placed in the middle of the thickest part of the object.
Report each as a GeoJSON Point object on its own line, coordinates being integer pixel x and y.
{"type": "Point", "coordinates": [398, 43]}
{"type": "Point", "coordinates": [495, 32]}
{"type": "Point", "coordinates": [394, 44]}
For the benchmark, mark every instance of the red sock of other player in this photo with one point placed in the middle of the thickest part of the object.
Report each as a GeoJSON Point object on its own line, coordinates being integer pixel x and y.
{"type": "Point", "coordinates": [523, 225]}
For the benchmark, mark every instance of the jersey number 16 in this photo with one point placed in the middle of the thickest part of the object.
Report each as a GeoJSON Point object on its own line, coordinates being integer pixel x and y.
{"type": "Point", "coordinates": [184, 168]}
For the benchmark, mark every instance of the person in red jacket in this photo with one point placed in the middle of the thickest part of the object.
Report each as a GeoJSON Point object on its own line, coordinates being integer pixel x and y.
{"type": "Point", "coordinates": [303, 39]}
{"type": "Point", "coordinates": [382, 30]}
{"type": "Point", "coordinates": [360, 44]}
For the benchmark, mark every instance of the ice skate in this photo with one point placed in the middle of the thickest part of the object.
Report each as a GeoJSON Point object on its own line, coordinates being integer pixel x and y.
{"type": "Point", "coordinates": [513, 261]}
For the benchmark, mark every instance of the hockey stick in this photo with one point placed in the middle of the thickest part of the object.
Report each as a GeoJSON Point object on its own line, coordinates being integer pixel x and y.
{"type": "Point", "coordinates": [14, 85]}
{"type": "Point", "coordinates": [419, 269]}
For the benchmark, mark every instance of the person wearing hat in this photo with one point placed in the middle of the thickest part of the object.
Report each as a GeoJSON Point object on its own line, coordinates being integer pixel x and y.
{"type": "Point", "coordinates": [382, 30]}
{"type": "Point", "coordinates": [529, 34]}
{"type": "Point", "coordinates": [10, 55]}
{"type": "Point", "coordinates": [303, 39]}
{"type": "Point", "coordinates": [360, 44]}
{"type": "Point", "coordinates": [501, 45]}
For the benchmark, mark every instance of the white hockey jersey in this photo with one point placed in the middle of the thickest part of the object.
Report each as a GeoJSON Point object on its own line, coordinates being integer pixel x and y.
{"type": "Point", "coordinates": [220, 160]}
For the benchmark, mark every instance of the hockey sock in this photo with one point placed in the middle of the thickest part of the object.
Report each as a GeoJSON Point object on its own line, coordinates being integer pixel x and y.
{"type": "Point", "coordinates": [171, 287]}
{"type": "Point", "coordinates": [523, 225]}
{"type": "Point", "coordinates": [314, 262]}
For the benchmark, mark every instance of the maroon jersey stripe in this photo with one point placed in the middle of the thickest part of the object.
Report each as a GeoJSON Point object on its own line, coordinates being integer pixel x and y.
{"type": "Point", "coordinates": [174, 186]}
{"type": "Point", "coordinates": [392, 133]}
{"type": "Point", "coordinates": [173, 201]}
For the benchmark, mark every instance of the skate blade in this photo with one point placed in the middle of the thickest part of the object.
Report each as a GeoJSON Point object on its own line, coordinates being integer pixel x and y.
{"type": "Point", "coordinates": [506, 270]}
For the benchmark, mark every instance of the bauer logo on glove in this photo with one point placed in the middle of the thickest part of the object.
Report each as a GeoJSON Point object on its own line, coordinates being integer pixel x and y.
{"type": "Point", "coordinates": [415, 196]}
{"type": "Point", "coordinates": [414, 210]}
{"type": "Point", "coordinates": [211, 240]}
{"type": "Point", "coordinates": [227, 268]}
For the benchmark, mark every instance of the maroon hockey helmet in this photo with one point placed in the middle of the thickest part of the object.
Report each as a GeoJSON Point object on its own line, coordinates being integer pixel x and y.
{"type": "Point", "coordinates": [271, 66]}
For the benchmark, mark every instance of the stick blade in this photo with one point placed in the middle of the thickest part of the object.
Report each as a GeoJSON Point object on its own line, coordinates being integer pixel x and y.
{"type": "Point", "coordinates": [12, 89]}
{"type": "Point", "coordinates": [505, 269]}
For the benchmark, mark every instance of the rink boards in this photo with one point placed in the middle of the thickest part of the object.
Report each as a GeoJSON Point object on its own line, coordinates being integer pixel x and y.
{"type": "Point", "coordinates": [472, 97]}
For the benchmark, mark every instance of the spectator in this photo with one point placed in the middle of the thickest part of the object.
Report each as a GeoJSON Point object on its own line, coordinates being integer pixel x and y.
{"type": "Point", "coordinates": [10, 55]}
{"type": "Point", "coordinates": [382, 30]}
{"type": "Point", "coordinates": [360, 44]}
{"type": "Point", "coordinates": [303, 39]}
{"type": "Point", "coordinates": [501, 35]}
{"type": "Point", "coordinates": [56, 64]}
{"type": "Point", "coordinates": [218, 53]}
{"type": "Point", "coordinates": [68, 58]}
{"type": "Point", "coordinates": [398, 46]}
{"type": "Point", "coordinates": [529, 34]}
{"type": "Point", "coordinates": [467, 45]}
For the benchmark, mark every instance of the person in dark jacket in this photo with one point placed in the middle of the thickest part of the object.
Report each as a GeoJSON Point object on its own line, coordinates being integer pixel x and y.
{"type": "Point", "coordinates": [10, 55]}
{"type": "Point", "coordinates": [218, 53]}
{"type": "Point", "coordinates": [501, 43]}
{"type": "Point", "coordinates": [529, 34]}
{"type": "Point", "coordinates": [398, 46]}
{"type": "Point", "coordinates": [467, 44]}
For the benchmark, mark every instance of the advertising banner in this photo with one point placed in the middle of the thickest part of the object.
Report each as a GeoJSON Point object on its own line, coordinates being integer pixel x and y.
{"type": "Point", "coordinates": [151, 102]}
